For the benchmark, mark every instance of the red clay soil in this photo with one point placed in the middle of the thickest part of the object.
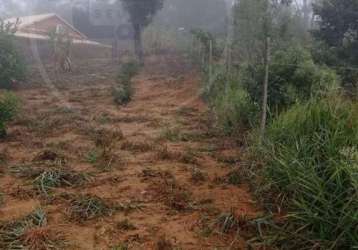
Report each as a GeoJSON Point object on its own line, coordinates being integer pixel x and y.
{"type": "Point", "coordinates": [169, 170]}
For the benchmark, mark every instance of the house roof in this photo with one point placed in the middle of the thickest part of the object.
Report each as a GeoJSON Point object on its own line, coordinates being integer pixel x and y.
{"type": "Point", "coordinates": [26, 21]}
{"type": "Point", "coordinates": [75, 41]}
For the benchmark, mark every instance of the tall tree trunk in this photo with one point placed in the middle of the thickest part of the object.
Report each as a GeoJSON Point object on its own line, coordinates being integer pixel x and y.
{"type": "Point", "coordinates": [138, 46]}
{"type": "Point", "coordinates": [306, 14]}
{"type": "Point", "coordinates": [265, 90]}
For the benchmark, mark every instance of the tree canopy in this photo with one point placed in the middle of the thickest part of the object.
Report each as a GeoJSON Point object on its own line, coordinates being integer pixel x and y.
{"type": "Point", "coordinates": [338, 30]}
{"type": "Point", "coordinates": [141, 14]}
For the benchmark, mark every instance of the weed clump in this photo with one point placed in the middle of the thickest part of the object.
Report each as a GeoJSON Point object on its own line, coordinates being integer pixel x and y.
{"type": "Point", "coordinates": [54, 178]}
{"type": "Point", "coordinates": [105, 141]}
{"type": "Point", "coordinates": [171, 134]}
{"type": "Point", "coordinates": [30, 232]}
{"type": "Point", "coordinates": [50, 156]}
{"type": "Point", "coordinates": [312, 161]}
{"type": "Point", "coordinates": [1, 199]}
{"type": "Point", "coordinates": [172, 194]}
{"type": "Point", "coordinates": [197, 175]}
{"type": "Point", "coordinates": [189, 156]}
{"type": "Point", "coordinates": [9, 106]}
{"type": "Point", "coordinates": [122, 246]}
{"type": "Point", "coordinates": [3, 158]}
{"type": "Point", "coordinates": [137, 146]}
{"type": "Point", "coordinates": [163, 244]}
{"type": "Point", "coordinates": [126, 225]}
{"type": "Point", "coordinates": [87, 207]}
{"type": "Point", "coordinates": [165, 154]}
{"type": "Point", "coordinates": [234, 178]}
{"type": "Point", "coordinates": [46, 178]}
{"type": "Point", "coordinates": [123, 92]}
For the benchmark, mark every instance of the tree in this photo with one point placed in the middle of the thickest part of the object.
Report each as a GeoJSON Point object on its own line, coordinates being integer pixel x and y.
{"type": "Point", "coordinates": [12, 66]}
{"type": "Point", "coordinates": [180, 14]}
{"type": "Point", "coordinates": [338, 30]}
{"type": "Point", "coordinates": [141, 14]}
{"type": "Point", "coordinates": [337, 21]}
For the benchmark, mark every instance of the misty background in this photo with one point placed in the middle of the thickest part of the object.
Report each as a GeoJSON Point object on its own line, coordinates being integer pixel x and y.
{"type": "Point", "coordinates": [95, 18]}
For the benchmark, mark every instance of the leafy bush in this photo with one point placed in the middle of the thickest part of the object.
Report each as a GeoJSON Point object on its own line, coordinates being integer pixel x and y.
{"type": "Point", "coordinates": [128, 71]}
{"type": "Point", "coordinates": [235, 110]}
{"type": "Point", "coordinates": [123, 92]}
{"type": "Point", "coordinates": [12, 67]}
{"type": "Point", "coordinates": [205, 38]}
{"type": "Point", "coordinates": [9, 105]}
{"type": "Point", "coordinates": [293, 76]}
{"type": "Point", "coordinates": [231, 103]}
{"type": "Point", "coordinates": [312, 160]}
{"type": "Point", "coordinates": [236, 97]}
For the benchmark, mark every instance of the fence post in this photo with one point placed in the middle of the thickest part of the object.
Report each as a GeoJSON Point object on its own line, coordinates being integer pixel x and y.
{"type": "Point", "coordinates": [265, 90]}
{"type": "Point", "coordinates": [210, 62]}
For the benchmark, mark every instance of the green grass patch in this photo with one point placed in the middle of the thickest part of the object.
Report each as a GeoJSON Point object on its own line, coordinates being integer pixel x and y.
{"type": "Point", "coordinates": [312, 164]}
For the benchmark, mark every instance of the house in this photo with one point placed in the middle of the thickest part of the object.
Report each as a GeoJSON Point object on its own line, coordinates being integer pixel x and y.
{"type": "Point", "coordinates": [39, 27]}
{"type": "Point", "coordinates": [35, 30]}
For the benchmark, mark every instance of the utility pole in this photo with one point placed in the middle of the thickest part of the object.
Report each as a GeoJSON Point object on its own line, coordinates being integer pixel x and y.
{"type": "Point", "coordinates": [265, 89]}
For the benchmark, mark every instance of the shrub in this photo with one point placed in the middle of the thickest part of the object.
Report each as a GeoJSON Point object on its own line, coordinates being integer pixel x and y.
{"type": "Point", "coordinates": [12, 67]}
{"type": "Point", "coordinates": [123, 92]}
{"type": "Point", "coordinates": [128, 71]}
{"type": "Point", "coordinates": [312, 160]}
{"type": "Point", "coordinates": [9, 105]}
{"type": "Point", "coordinates": [206, 40]}
{"type": "Point", "coordinates": [235, 110]}
{"type": "Point", "coordinates": [293, 76]}
{"type": "Point", "coordinates": [231, 103]}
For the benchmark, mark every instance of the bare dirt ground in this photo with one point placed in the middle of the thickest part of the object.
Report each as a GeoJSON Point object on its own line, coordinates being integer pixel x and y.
{"type": "Point", "coordinates": [164, 181]}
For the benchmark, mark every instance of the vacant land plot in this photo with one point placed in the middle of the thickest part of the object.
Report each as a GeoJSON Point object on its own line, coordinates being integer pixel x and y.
{"type": "Point", "coordinates": [79, 172]}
